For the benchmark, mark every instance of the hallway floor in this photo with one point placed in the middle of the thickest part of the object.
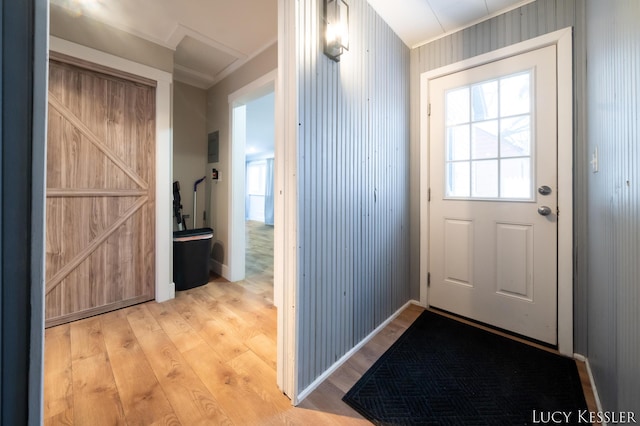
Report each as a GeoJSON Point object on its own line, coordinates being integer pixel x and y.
{"type": "Point", "coordinates": [206, 357]}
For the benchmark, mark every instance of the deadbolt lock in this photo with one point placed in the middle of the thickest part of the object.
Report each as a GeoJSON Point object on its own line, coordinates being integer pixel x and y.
{"type": "Point", "coordinates": [544, 190]}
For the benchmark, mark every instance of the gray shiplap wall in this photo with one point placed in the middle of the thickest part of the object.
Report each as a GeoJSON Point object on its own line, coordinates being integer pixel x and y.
{"type": "Point", "coordinates": [353, 185]}
{"type": "Point", "coordinates": [526, 22]}
{"type": "Point", "coordinates": [614, 202]}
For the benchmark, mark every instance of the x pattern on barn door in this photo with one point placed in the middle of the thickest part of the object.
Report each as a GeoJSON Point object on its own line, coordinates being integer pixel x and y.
{"type": "Point", "coordinates": [100, 193]}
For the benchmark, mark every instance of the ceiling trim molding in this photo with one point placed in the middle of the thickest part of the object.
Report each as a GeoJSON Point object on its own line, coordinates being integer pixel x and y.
{"type": "Point", "coordinates": [182, 31]}
{"type": "Point", "coordinates": [195, 73]}
{"type": "Point", "coordinates": [206, 81]}
{"type": "Point", "coordinates": [117, 25]}
{"type": "Point", "coordinates": [192, 77]}
{"type": "Point", "coordinates": [239, 63]}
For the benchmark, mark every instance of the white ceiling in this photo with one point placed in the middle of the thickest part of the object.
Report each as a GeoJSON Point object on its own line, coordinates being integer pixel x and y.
{"type": "Point", "coordinates": [212, 38]}
{"type": "Point", "coordinates": [419, 21]}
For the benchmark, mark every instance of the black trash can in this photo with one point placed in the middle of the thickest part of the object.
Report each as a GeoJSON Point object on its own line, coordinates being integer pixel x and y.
{"type": "Point", "coordinates": [191, 249]}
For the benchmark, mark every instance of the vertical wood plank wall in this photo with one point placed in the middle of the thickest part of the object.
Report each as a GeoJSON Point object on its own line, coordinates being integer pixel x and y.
{"type": "Point", "coordinates": [353, 183]}
{"type": "Point", "coordinates": [614, 201]}
{"type": "Point", "coordinates": [526, 22]}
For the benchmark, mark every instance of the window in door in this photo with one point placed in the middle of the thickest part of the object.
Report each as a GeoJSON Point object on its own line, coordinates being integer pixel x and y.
{"type": "Point", "coordinates": [488, 139]}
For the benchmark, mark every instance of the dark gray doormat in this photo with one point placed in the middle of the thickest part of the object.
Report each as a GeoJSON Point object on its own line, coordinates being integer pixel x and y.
{"type": "Point", "coordinates": [443, 372]}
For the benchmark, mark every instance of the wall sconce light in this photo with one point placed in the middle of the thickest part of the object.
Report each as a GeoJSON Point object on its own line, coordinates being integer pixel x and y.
{"type": "Point", "coordinates": [336, 20]}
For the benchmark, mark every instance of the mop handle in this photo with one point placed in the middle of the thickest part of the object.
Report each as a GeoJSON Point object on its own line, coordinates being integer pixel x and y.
{"type": "Point", "coordinates": [195, 187]}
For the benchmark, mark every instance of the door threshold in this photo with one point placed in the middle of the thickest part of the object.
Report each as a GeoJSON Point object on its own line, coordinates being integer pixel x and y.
{"type": "Point", "coordinates": [496, 330]}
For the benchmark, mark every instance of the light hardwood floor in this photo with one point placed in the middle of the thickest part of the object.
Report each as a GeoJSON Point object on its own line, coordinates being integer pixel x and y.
{"type": "Point", "coordinates": [208, 357]}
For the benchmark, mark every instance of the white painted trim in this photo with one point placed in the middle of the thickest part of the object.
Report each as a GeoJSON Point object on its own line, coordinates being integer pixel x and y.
{"type": "Point", "coordinates": [580, 357]}
{"type": "Point", "coordinates": [209, 80]}
{"type": "Point", "coordinates": [240, 62]}
{"type": "Point", "coordinates": [324, 376]}
{"type": "Point", "coordinates": [236, 200]}
{"type": "Point", "coordinates": [596, 395]}
{"type": "Point", "coordinates": [284, 224]}
{"type": "Point", "coordinates": [192, 77]}
{"type": "Point", "coordinates": [101, 58]}
{"type": "Point", "coordinates": [257, 88]}
{"type": "Point", "coordinates": [549, 39]}
{"type": "Point", "coordinates": [423, 153]}
{"type": "Point", "coordinates": [563, 40]}
{"type": "Point", "coordinates": [165, 288]}
{"type": "Point", "coordinates": [219, 268]}
{"type": "Point", "coordinates": [286, 200]}
{"type": "Point", "coordinates": [182, 31]}
{"type": "Point", "coordinates": [565, 189]}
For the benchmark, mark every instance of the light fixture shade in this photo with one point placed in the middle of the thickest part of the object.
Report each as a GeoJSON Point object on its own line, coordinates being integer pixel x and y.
{"type": "Point", "coordinates": [336, 25]}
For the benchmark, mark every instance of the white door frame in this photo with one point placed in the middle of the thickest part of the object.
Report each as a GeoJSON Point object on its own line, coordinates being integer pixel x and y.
{"type": "Point", "coordinates": [283, 287]}
{"type": "Point", "coordinates": [237, 158]}
{"type": "Point", "coordinates": [285, 268]}
{"type": "Point", "coordinates": [563, 41]}
{"type": "Point", "coordinates": [164, 285]}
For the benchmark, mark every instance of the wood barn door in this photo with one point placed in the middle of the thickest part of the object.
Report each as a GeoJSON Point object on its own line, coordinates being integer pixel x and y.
{"type": "Point", "coordinates": [100, 191]}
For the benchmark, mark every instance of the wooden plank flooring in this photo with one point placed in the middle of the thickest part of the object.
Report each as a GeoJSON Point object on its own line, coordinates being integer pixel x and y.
{"type": "Point", "coordinates": [205, 358]}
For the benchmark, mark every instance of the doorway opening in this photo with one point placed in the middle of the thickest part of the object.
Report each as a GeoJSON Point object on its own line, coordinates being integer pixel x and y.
{"type": "Point", "coordinates": [251, 229]}
{"type": "Point", "coordinates": [259, 194]}
{"type": "Point", "coordinates": [252, 157]}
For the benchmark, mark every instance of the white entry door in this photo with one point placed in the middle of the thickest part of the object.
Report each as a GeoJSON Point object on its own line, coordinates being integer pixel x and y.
{"type": "Point", "coordinates": [493, 205]}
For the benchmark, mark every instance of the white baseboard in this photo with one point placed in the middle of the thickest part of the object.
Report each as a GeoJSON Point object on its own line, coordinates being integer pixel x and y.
{"type": "Point", "coordinates": [168, 293]}
{"type": "Point", "coordinates": [324, 376]}
{"type": "Point", "coordinates": [219, 268]}
{"type": "Point", "coordinates": [584, 359]}
{"type": "Point", "coordinates": [593, 386]}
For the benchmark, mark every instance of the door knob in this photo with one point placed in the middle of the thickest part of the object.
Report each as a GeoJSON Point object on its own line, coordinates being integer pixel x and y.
{"type": "Point", "coordinates": [544, 211]}
{"type": "Point", "coordinates": [544, 190]}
